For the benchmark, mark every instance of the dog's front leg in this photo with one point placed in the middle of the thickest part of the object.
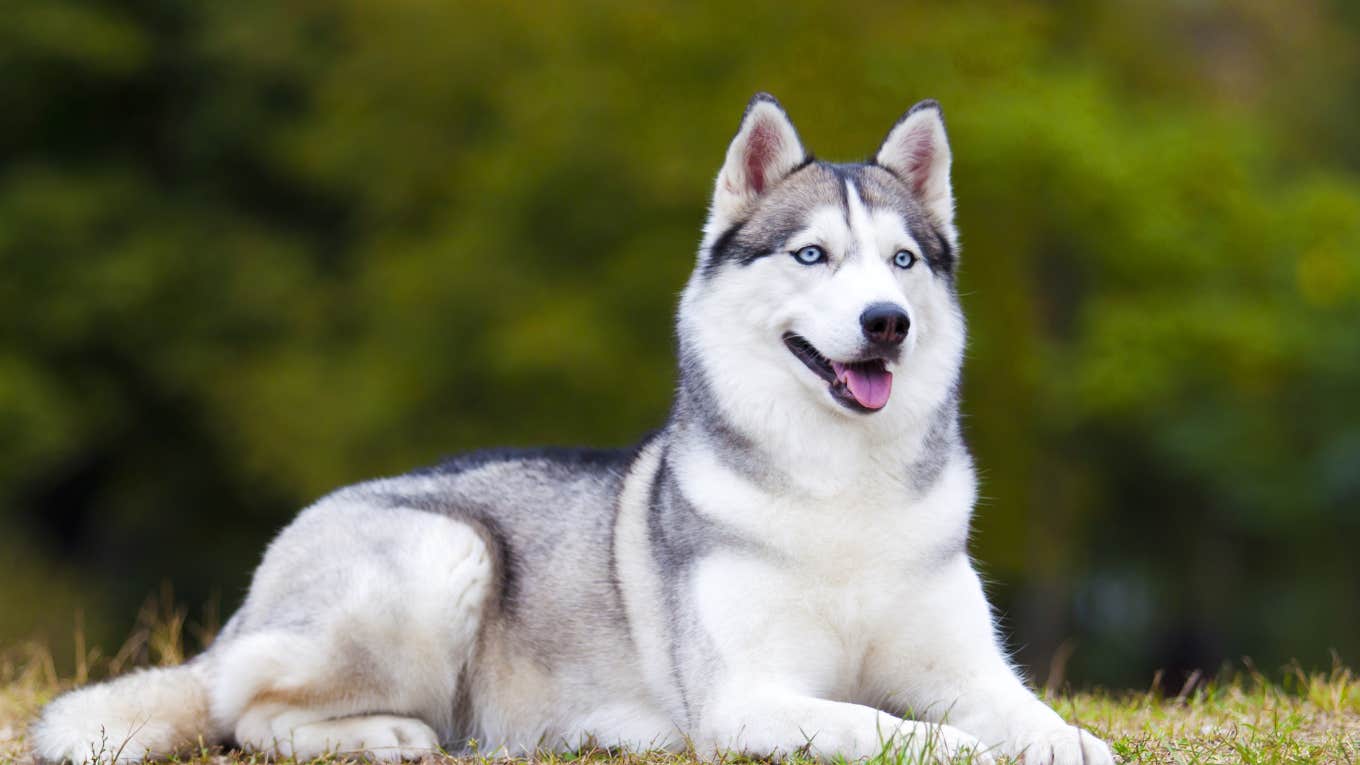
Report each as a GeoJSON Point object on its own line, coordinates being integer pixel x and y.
{"type": "Point", "coordinates": [944, 662]}
{"type": "Point", "coordinates": [771, 722]}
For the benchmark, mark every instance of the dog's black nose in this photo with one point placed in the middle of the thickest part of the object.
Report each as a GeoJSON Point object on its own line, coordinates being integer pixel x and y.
{"type": "Point", "coordinates": [885, 324]}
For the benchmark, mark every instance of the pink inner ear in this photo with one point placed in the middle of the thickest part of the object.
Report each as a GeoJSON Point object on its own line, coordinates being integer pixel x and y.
{"type": "Point", "coordinates": [920, 154]}
{"type": "Point", "coordinates": [761, 148]}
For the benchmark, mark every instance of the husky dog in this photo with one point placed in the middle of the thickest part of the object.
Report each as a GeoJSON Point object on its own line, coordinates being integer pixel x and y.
{"type": "Point", "coordinates": [782, 568]}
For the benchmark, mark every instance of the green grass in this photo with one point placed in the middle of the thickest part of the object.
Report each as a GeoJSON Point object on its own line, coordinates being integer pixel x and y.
{"type": "Point", "coordinates": [1306, 717]}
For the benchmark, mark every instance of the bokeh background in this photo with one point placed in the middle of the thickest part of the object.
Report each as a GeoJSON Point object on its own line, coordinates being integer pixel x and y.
{"type": "Point", "coordinates": [251, 251]}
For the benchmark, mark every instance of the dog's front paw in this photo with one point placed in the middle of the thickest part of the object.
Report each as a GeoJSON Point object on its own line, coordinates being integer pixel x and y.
{"type": "Point", "coordinates": [1066, 745]}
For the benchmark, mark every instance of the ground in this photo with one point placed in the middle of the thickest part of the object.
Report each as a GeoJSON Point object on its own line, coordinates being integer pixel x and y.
{"type": "Point", "coordinates": [1241, 717]}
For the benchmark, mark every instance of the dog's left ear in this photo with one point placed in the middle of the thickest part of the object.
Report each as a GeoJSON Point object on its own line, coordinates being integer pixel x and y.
{"type": "Point", "coordinates": [765, 150]}
{"type": "Point", "coordinates": [917, 150]}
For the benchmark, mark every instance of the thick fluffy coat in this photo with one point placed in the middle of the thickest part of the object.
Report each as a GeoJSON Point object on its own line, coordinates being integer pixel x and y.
{"type": "Point", "coordinates": [782, 567]}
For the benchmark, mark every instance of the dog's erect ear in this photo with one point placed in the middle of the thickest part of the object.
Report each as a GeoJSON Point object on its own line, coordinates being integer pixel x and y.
{"type": "Point", "coordinates": [765, 150]}
{"type": "Point", "coordinates": [917, 150]}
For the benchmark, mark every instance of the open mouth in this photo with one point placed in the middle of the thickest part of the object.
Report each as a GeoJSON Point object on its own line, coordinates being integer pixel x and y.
{"type": "Point", "coordinates": [863, 386]}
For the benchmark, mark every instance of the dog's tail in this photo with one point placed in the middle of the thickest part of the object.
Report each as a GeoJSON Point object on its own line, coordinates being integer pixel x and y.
{"type": "Point", "coordinates": [149, 713]}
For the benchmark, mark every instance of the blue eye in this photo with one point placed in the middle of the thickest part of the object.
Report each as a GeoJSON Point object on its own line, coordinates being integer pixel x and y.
{"type": "Point", "coordinates": [810, 255]}
{"type": "Point", "coordinates": [904, 259]}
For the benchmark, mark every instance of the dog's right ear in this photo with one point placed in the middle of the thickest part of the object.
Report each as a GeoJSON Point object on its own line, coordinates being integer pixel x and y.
{"type": "Point", "coordinates": [765, 150]}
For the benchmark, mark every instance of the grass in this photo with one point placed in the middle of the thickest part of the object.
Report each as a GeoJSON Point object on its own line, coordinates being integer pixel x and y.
{"type": "Point", "coordinates": [1239, 717]}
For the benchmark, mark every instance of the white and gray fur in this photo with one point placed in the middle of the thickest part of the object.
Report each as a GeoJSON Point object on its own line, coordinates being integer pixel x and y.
{"type": "Point", "coordinates": [771, 572]}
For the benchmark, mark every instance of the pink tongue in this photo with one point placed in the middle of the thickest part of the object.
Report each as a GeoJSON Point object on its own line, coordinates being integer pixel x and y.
{"type": "Point", "coordinates": [870, 384]}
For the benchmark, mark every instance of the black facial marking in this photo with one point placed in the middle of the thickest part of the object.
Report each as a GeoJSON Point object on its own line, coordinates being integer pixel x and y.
{"type": "Point", "coordinates": [945, 249]}
{"type": "Point", "coordinates": [722, 250]}
{"type": "Point", "coordinates": [733, 247]}
{"type": "Point", "coordinates": [743, 244]}
{"type": "Point", "coordinates": [778, 215]}
{"type": "Point", "coordinates": [936, 250]}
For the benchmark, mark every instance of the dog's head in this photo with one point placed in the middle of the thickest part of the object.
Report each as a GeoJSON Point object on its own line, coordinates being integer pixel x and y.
{"type": "Point", "coordinates": [828, 286]}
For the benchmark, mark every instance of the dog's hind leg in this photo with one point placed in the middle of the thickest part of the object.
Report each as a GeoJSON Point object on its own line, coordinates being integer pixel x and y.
{"type": "Point", "coordinates": [380, 737]}
{"type": "Point", "coordinates": [365, 621]}
{"type": "Point", "coordinates": [304, 701]}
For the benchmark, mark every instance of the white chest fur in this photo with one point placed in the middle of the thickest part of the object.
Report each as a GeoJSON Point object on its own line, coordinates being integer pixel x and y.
{"type": "Point", "coordinates": [827, 575]}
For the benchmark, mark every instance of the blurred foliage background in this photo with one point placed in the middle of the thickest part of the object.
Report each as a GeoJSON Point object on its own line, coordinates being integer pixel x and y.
{"type": "Point", "coordinates": [251, 251]}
